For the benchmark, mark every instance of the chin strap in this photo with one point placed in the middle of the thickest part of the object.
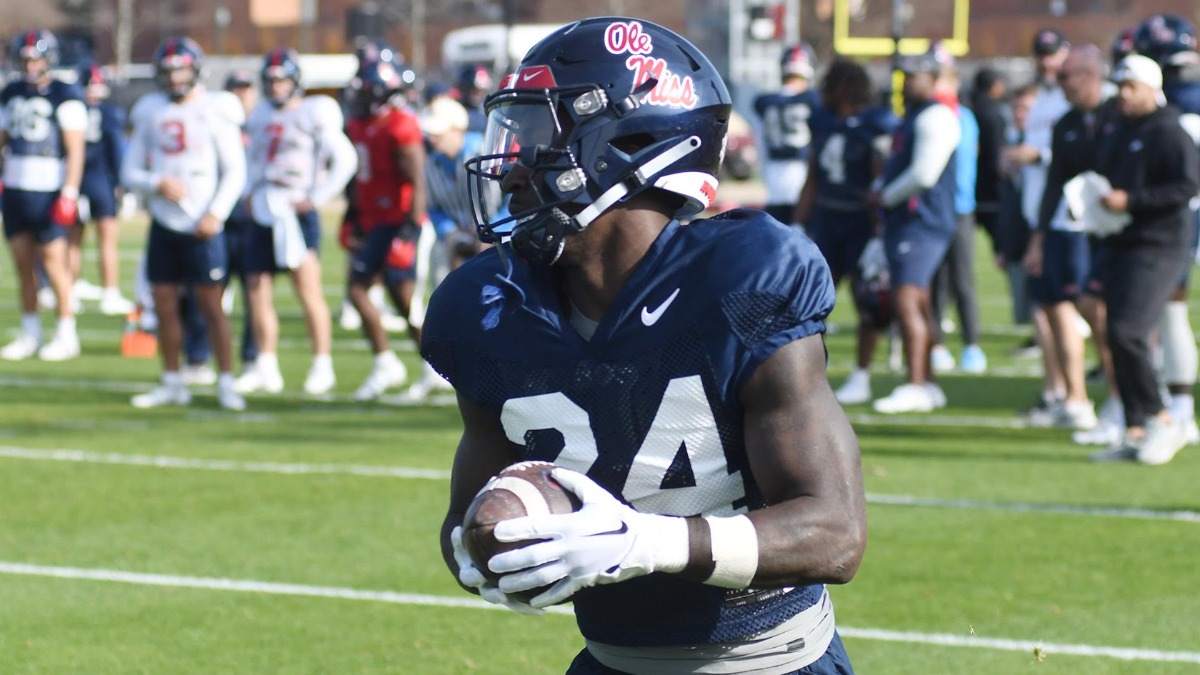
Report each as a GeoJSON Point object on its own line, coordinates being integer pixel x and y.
{"type": "Point", "coordinates": [639, 178]}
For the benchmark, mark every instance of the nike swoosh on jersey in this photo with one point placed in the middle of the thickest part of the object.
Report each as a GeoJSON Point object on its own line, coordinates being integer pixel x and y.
{"type": "Point", "coordinates": [651, 317]}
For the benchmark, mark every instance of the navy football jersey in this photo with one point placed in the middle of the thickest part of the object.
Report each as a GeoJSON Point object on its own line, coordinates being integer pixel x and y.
{"type": "Point", "coordinates": [32, 118]}
{"type": "Point", "coordinates": [785, 123]}
{"type": "Point", "coordinates": [105, 143]}
{"type": "Point", "coordinates": [934, 208]}
{"type": "Point", "coordinates": [648, 408]}
{"type": "Point", "coordinates": [846, 151]}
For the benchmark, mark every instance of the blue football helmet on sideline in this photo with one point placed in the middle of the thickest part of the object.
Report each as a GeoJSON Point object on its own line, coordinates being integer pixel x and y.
{"type": "Point", "coordinates": [378, 83]}
{"type": "Point", "coordinates": [373, 50]}
{"type": "Point", "coordinates": [798, 61]}
{"type": "Point", "coordinates": [1123, 44]}
{"type": "Point", "coordinates": [91, 78]}
{"type": "Point", "coordinates": [33, 44]}
{"type": "Point", "coordinates": [599, 111]}
{"type": "Point", "coordinates": [873, 299]}
{"type": "Point", "coordinates": [281, 64]}
{"type": "Point", "coordinates": [1169, 39]}
{"type": "Point", "coordinates": [178, 53]}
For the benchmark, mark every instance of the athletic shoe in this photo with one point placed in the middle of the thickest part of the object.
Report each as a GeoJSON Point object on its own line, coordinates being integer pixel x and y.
{"type": "Point", "coordinates": [198, 375]}
{"type": "Point", "coordinates": [429, 383]}
{"type": "Point", "coordinates": [1163, 440]}
{"type": "Point", "coordinates": [1043, 412]}
{"type": "Point", "coordinates": [349, 318]}
{"type": "Point", "coordinates": [1117, 452]}
{"type": "Point", "coordinates": [1077, 416]}
{"type": "Point", "coordinates": [856, 389]}
{"type": "Point", "coordinates": [1095, 375]}
{"type": "Point", "coordinates": [47, 300]}
{"type": "Point", "coordinates": [1191, 433]}
{"type": "Point", "coordinates": [114, 304]}
{"type": "Point", "coordinates": [383, 377]}
{"type": "Point", "coordinates": [906, 398]}
{"type": "Point", "coordinates": [20, 349]}
{"type": "Point", "coordinates": [936, 395]}
{"type": "Point", "coordinates": [972, 360]}
{"type": "Point", "coordinates": [948, 325]}
{"type": "Point", "coordinates": [255, 380]}
{"type": "Point", "coordinates": [85, 290]}
{"type": "Point", "coordinates": [1027, 350]}
{"type": "Point", "coordinates": [1104, 433]}
{"type": "Point", "coordinates": [393, 323]}
{"type": "Point", "coordinates": [61, 348]}
{"type": "Point", "coordinates": [230, 399]}
{"type": "Point", "coordinates": [162, 395]}
{"type": "Point", "coordinates": [941, 359]}
{"type": "Point", "coordinates": [320, 380]}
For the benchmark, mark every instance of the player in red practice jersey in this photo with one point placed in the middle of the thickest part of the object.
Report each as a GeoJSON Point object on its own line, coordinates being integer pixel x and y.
{"type": "Point", "coordinates": [390, 194]}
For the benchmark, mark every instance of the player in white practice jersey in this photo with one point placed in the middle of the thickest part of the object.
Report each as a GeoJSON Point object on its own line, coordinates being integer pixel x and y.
{"type": "Point", "coordinates": [186, 157]}
{"type": "Point", "coordinates": [299, 159]}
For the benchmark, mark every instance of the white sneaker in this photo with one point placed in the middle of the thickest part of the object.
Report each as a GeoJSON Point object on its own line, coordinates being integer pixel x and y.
{"type": "Point", "coordinates": [61, 348]}
{"type": "Point", "coordinates": [255, 380]}
{"type": "Point", "coordinates": [1163, 440]}
{"type": "Point", "coordinates": [20, 349]}
{"type": "Point", "coordinates": [1044, 417]}
{"type": "Point", "coordinates": [320, 380]}
{"type": "Point", "coordinates": [46, 299]}
{"type": "Point", "coordinates": [856, 389]}
{"type": "Point", "coordinates": [936, 395]}
{"type": "Point", "coordinates": [394, 323]}
{"type": "Point", "coordinates": [114, 304]}
{"type": "Point", "coordinates": [1077, 416]}
{"type": "Point", "coordinates": [162, 395]}
{"type": "Point", "coordinates": [230, 399]}
{"type": "Point", "coordinates": [1104, 433]}
{"type": "Point", "coordinates": [199, 375]}
{"type": "Point", "coordinates": [431, 381]}
{"type": "Point", "coordinates": [86, 290]}
{"type": "Point", "coordinates": [1191, 433]}
{"type": "Point", "coordinates": [1117, 452]}
{"type": "Point", "coordinates": [941, 359]}
{"type": "Point", "coordinates": [349, 318]}
{"type": "Point", "coordinates": [382, 378]}
{"type": "Point", "coordinates": [906, 398]}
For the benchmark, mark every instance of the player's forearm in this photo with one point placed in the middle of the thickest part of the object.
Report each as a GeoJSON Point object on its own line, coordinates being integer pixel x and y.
{"type": "Point", "coordinates": [135, 175]}
{"type": "Point", "coordinates": [76, 147]}
{"type": "Point", "coordinates": [343, 162]}
{"type": "Point", "coordinates": [231, 181]}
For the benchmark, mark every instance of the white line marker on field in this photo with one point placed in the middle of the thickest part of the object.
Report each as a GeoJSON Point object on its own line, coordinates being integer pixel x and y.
{"type": "Point", "coordinates": [1026, 507]}
{"type": "Point", "coordinates": [272, 588]}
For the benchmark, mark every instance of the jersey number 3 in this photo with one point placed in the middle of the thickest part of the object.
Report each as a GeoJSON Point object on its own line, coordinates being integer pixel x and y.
{"type": "Point", "coordinates": [683, 430]}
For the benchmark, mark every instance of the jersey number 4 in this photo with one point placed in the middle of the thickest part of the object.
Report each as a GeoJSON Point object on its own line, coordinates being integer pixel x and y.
{"type": "Point", "coordinates": [683, 431]}
{"type": "Point", "coordinates": [833, 159]}
{"type": "Point", "coordinates": [29, 119]}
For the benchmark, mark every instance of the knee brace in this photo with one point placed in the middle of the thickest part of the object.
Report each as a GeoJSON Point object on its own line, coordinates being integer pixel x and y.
{"type": "Point", "coordinates": [1178, 345]}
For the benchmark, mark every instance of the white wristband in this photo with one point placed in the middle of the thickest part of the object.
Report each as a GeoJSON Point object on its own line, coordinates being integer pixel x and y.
{"type": "Point", "coordinates": [69, 192]}
{"type": "Point", "coordinates": [734, 550]}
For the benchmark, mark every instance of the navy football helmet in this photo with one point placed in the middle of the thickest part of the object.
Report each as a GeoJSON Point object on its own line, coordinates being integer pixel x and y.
{"type": "Point", "coordinates": [32, 45]}
{"type": "Point", "coordinates": [178, 53]}
{"type": "Point", "coordinates": [798, 61]}
{"type": "Point", "coordinates": [368, 51]}
{"type": "Point", "coordinates": [1169, 39]}
{"type": "Point", "coordinates": [281, 64]}
{"type": "Point", "coordinates": [91, 78]}
{"type": "Point", "coordinates": [599, 111]}
{"type": "Point", "coordinates": [873, 299]}
{"type": "Point", "coordinates": [1122, 44]}
{"type": "Point", "coordinates": [377, 84]}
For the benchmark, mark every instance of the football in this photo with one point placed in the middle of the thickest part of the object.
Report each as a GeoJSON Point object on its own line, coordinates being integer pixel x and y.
{"type": "Point", "coordinates": [523, 489]}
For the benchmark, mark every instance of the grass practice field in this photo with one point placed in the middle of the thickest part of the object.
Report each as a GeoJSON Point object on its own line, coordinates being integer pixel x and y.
{"type": "Point", "coordinates": [301, 535]}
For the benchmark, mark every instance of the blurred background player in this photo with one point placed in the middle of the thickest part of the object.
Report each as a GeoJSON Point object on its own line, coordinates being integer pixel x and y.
{"type": "Point", "coordinates": [390, 194]}
{"type": "Point", "coordinates": [1170, 40]}
{"type": "Point", "coordinates": [917, 196]}
{"type": "Point", "coordinates": [299, 159]}
{"type": "Point", "coordinates": [43, 134]}
{"type": "Point", "coordinates": [786, 136]}
{"type": "Point", "coordinates": [851, 141]}
{"type": "Point", "coordinates": [100, 193]}
{"type": "Point", "coordinates": [186, 157]}
{"type": "Point", "coordinates": [473, 85]}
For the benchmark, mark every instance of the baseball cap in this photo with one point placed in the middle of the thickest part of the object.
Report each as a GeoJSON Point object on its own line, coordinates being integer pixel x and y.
{"type": "Point", "coordinates": [441, 115]}
{"type": "Point", "coordinates": [1049, 41]}
{"type": "Point", "coordinates": [1141, 69]}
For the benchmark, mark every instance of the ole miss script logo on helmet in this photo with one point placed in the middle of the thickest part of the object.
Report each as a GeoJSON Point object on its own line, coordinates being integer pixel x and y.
{"type": "Point", "coordinates": [672, 90]}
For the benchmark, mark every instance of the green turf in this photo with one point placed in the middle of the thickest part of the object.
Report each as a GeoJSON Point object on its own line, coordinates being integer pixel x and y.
{"type": "Point", "coordinates": [1053, 578]}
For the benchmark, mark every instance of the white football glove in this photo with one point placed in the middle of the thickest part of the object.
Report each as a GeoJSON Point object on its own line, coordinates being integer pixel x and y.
{"type": "Point", "coordinates": [470, 575]}
{"type": "Point", "coordinates": [873, 261]}
{"type": "Point", "coordinates": [604, 542]}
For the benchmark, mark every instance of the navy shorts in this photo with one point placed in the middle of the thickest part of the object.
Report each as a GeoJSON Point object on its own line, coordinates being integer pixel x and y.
{"type": "Point", "coordinates": [182, 258]}
{"type": "Point", "coordinates": [258, 256]}
{"type": "Point", "coordinates": [914, 252]}
{"type": "Point", "coordinates": [372, 253]}
{"type": "Point", "coordinates": [1098, 257]}
{"type": "Point", "coordinates": [833, 662]}
{"type": "Point", "coordinates": [841, 236]}
{"type": "Point", "coordinates": [29, 212]}
{"type": "Point", "coordinates": [101, 195]}
{"type": "Point", "coordinates": [1066, 263]}
{"type": "Point", "coordinates": [237, 231]}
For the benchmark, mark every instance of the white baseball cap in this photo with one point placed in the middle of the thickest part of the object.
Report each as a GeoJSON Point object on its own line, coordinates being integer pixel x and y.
{"type": "Point", "coordinates": [1141, 69]}
{"type": "Point", "coordinates": [441, 115]}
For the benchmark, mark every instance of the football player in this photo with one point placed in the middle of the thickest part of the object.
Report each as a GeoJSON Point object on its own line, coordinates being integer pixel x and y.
{"type": "Point", "coordinates": [851, 141]}
{"type": "Point", "coordinates": [671, 372]}
{"type": "Point", "coordinates": [1171, 41]}
{"type": "Point", "coordinates": [299, 159]}
{"type": "Point", "coordinates": [390, 195]}
{"type": "Point", "coordinates": [101, 175]}
{"type": "Point", "coordinates": [785, 119]}
{"type": "Point", "coordinates": [186, 157]}
{"type": "Point", "coordinates": [42, 132]}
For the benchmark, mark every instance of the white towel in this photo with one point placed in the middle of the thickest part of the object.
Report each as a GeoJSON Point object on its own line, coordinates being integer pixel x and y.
{"type": "Point", "coordinates": [1083, 194]}
{"type": "Point", "coordinates": [272, 207]}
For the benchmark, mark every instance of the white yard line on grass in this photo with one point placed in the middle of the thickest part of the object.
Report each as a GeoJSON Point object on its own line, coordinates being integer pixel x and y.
{"type": "Point", "coordinates": [392, 597]}
{"type": "Point", "coordinates": [377, 471]}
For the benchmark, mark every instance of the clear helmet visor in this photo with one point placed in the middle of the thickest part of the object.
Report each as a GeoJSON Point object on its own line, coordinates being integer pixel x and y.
{"type": "Point", "coordinates": [514, 126]}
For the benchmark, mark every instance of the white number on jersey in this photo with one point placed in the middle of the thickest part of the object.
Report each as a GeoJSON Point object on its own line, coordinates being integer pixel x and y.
{"type": "Point", "coordinates": [95, 118]}
{"type": "Point", "coordinates": [29, 118]}
{"type": "Point", "coordinates": [787, 126]}
{"type": "Point", "coordinates": [364, 163]}
{"type": "Point", "coordinates": [683, 428]}
{"type": "Point", "coordinates": [833, 159]}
